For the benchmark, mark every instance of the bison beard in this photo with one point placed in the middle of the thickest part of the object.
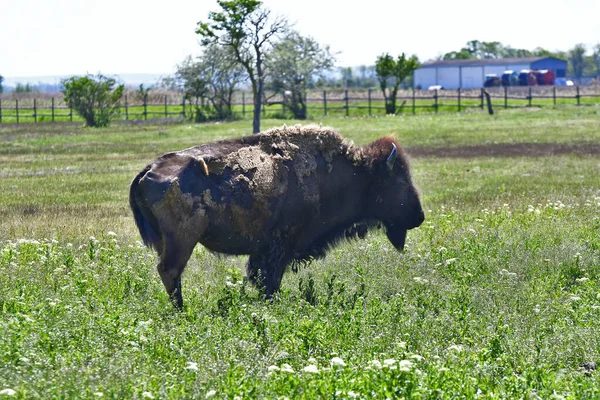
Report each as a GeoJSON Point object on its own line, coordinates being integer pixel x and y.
{"type": "Point", "coordinates": [284, 197]}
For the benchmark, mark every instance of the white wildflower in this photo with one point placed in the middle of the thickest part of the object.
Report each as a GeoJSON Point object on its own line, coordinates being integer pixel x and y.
{"type": "Point", "coordinates": [7, 392]}
{"type": "Point", "coordinates": [336, 361]}
{"type": "Point", "coordinates": [405, 365]}
{"type": "Point", "coordinates": [352, 394]}
{"type": "Point", "coordinates": [98, 394]}
{"type": "Point", "coordinates": [287, 368]}
{"type": "Point", "coordinates": [420, 280]}
{"type": "Point", "coordinates": [581, 280]}
{"type": "Point", "coordinates": [312, 360]}
{"type": "Point", "coordinates": [111, 233]}
{"type": "Point", "coordinates": [210, 393]}
{"type": "Point", "coordinates": [273, 368]}
{"type": "Point", "coordinates": [311, 369]}
{"type": "Point", "coordinates": [450, 261]}
{"type": "Point", "coordinates": [375, 364]}
{"type": "Point", "coordinates": [416, 357]}
{"type": "Point", "coordinates": [389, 362]}
{"type": "Point", "coordinates": [192, 366]}
{"type": "Point", "coordinates": [574, 298]}
{"type": "Point", "coordinates": [147, 395]}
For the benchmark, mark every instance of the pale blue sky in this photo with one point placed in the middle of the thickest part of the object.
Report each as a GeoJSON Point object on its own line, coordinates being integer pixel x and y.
{"type": "Point", "coordinates": [64, 37]}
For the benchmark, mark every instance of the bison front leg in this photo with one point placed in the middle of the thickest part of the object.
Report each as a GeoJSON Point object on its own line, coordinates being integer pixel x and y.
{"type": "Point", "coordinates": [265, 270]}
{"type": "Point", "coordinates": [173, 259]}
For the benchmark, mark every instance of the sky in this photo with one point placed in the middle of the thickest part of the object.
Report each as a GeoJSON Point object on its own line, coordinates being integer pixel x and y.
{"type": "Point", "coordinates": [68, 37]}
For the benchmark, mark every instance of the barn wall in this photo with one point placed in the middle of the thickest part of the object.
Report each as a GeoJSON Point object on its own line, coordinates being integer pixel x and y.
{"type": "Point", "coordinates": [425, 77]}
{"type": "Point", "coordinates": [559, 67]}
{"type": "Point", "coordinates": [448, 77]}
{"type": "Point", "coordinates": [472, 77]}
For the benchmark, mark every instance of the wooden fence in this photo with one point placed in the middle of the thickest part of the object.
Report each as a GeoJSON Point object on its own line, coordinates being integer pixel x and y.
{"type": "Point", "coordinates": [328, 102]}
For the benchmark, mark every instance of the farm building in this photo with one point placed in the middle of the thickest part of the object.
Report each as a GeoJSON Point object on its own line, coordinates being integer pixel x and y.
{"type": "Point", "coordinates": [469, 74]}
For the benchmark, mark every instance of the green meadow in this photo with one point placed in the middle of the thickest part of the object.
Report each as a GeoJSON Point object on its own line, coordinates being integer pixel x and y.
{"type": "Point", "coordinates": [497, 294]}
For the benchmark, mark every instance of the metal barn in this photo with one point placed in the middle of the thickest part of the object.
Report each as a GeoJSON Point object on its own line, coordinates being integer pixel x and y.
{"type": "Point", "coordinates": [470, 74]}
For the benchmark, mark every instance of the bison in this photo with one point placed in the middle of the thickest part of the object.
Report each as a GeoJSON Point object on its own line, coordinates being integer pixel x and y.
{"type": "Point", "coordinates": [284, 197]}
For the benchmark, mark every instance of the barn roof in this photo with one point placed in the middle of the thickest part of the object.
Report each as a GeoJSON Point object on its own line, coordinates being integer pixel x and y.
{"type": "Point", "coordinates": [487, 61]}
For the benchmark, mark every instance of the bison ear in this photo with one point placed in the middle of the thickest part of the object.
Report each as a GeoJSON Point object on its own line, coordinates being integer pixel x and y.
{"type": "Point", "coordinates": [392, 157]}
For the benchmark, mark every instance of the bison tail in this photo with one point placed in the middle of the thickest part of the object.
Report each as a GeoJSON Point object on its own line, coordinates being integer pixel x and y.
{"type": "Point", "coordinates": [144, 219]}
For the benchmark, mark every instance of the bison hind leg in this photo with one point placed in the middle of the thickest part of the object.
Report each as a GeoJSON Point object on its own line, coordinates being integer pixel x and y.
{"type": "Point", "coordinates": [173, 259]}
{"type": "Point", "coordinates": [265, 270]}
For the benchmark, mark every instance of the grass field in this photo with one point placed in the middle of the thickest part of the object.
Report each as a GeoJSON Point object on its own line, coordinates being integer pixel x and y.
{"type": "Point", "coordinates": [497, 294]}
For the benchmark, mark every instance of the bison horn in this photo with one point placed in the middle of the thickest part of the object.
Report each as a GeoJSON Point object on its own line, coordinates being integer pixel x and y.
{"type": "Point", "coordinates": [392, 158]}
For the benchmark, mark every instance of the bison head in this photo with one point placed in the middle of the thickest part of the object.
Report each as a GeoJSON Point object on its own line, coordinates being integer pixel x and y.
{"type": "Point", "coordinates": [396, 200]}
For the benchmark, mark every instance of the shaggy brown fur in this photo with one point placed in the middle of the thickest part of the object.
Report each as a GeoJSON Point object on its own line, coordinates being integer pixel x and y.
{"type": "Point", "coordinates": [285, 195]}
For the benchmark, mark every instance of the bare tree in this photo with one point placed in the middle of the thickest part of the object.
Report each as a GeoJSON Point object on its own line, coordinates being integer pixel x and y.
{"type": "Point", "coordinates": [248, 30]}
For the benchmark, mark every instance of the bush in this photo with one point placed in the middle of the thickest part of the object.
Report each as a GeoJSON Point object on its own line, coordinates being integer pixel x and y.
{"type": "Point", "coordinates": [96, 98]}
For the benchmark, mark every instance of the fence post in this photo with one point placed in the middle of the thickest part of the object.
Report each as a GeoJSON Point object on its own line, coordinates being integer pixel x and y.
{"type": "Point", "coordinates": [370, 112]}
{"type": "Point", "coordinates": [243, 104]}
{"type": "Point", "coordinates": [414, 110]}
{"type": "Point", "coordinates": [435, 100]}
{"type": "Point", "coordinates": [126, 109]}
{"type": "Point", "coordinates": [505, 97]}
{"type": "Point", "coordinates": [578, 96]}
{"type": "Point", "coordinates": [17, 109]}
{"type": "Point", "coordinates": [34, 110]}
{"type": "Point", "coordinates": [346, 100]}
{"type": "Point", "coordinates": [325, 102]}
{"type": "Point", "coordinates": [145, 106]}
{"type": "Point", "coordinates": [529, 96]}
{"type": "Point", "coordinates": [554, 95]}
{"type": "Point", "coordinates": [458, 99]}
{"type": "Point", "coordinates": [52, 109]}
{"type": "Point", "coordinates": [481, 95]}
{"type": "Point", "coordinates": [166, 113]}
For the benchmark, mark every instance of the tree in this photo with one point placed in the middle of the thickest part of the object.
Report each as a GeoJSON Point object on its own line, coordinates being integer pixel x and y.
{"type": "Point", "coordinates": [293, 64]}
{"type": "Point", "coordinates": [96, 98]}
{"type": "Point", "coordinates": [391, 73]}
{"type": "Point", "coordinates": [1, 87]}
{"type": "Point", "coordinates": [576, 58]}
{"type": "Point", "coordinates": [208, 82]}
{"type": "Point", "coordinates": [223, 74]}
{"type": "Point", "coordinates": [248, 29]}
{"type": "Point", "coordinates": [191, 81]}
{"type": "Point", "coordinates": [596, 59]}
{"type": "Point", "coordinates": [457, 55]}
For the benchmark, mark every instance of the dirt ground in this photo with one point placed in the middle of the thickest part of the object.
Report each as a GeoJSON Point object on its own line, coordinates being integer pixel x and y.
{"type": "Point", "coordinates": [507, 150]}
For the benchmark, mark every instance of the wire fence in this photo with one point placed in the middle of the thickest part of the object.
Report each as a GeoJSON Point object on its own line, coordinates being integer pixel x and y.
{"type": "Point", "coordinates": [38, 107]}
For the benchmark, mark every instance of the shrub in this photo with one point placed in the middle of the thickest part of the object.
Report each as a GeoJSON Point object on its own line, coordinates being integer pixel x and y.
{"type": "Point", "coordinates": [95, 98]}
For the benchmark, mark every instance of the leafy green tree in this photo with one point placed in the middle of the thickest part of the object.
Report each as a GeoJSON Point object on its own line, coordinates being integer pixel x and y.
{"type": "Point", "coordinates": [293, 65]}
{"type": "Point", "coordinates": [576, 58]}
{"type": "Point", "coordinates": [189, 78]}
{"type": "Point", "coordinates": [391, 73]}
{"type": "Point", "coordinates": [224, 75]}
{"type": "Point", "coordinates": [457, 55]}
{"type": "Point", "coordinates": [208, 82]}
{"type": "Point", "coordinates": [248, 29]}
{"type": "Point", "coordinates": [96, 98]}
